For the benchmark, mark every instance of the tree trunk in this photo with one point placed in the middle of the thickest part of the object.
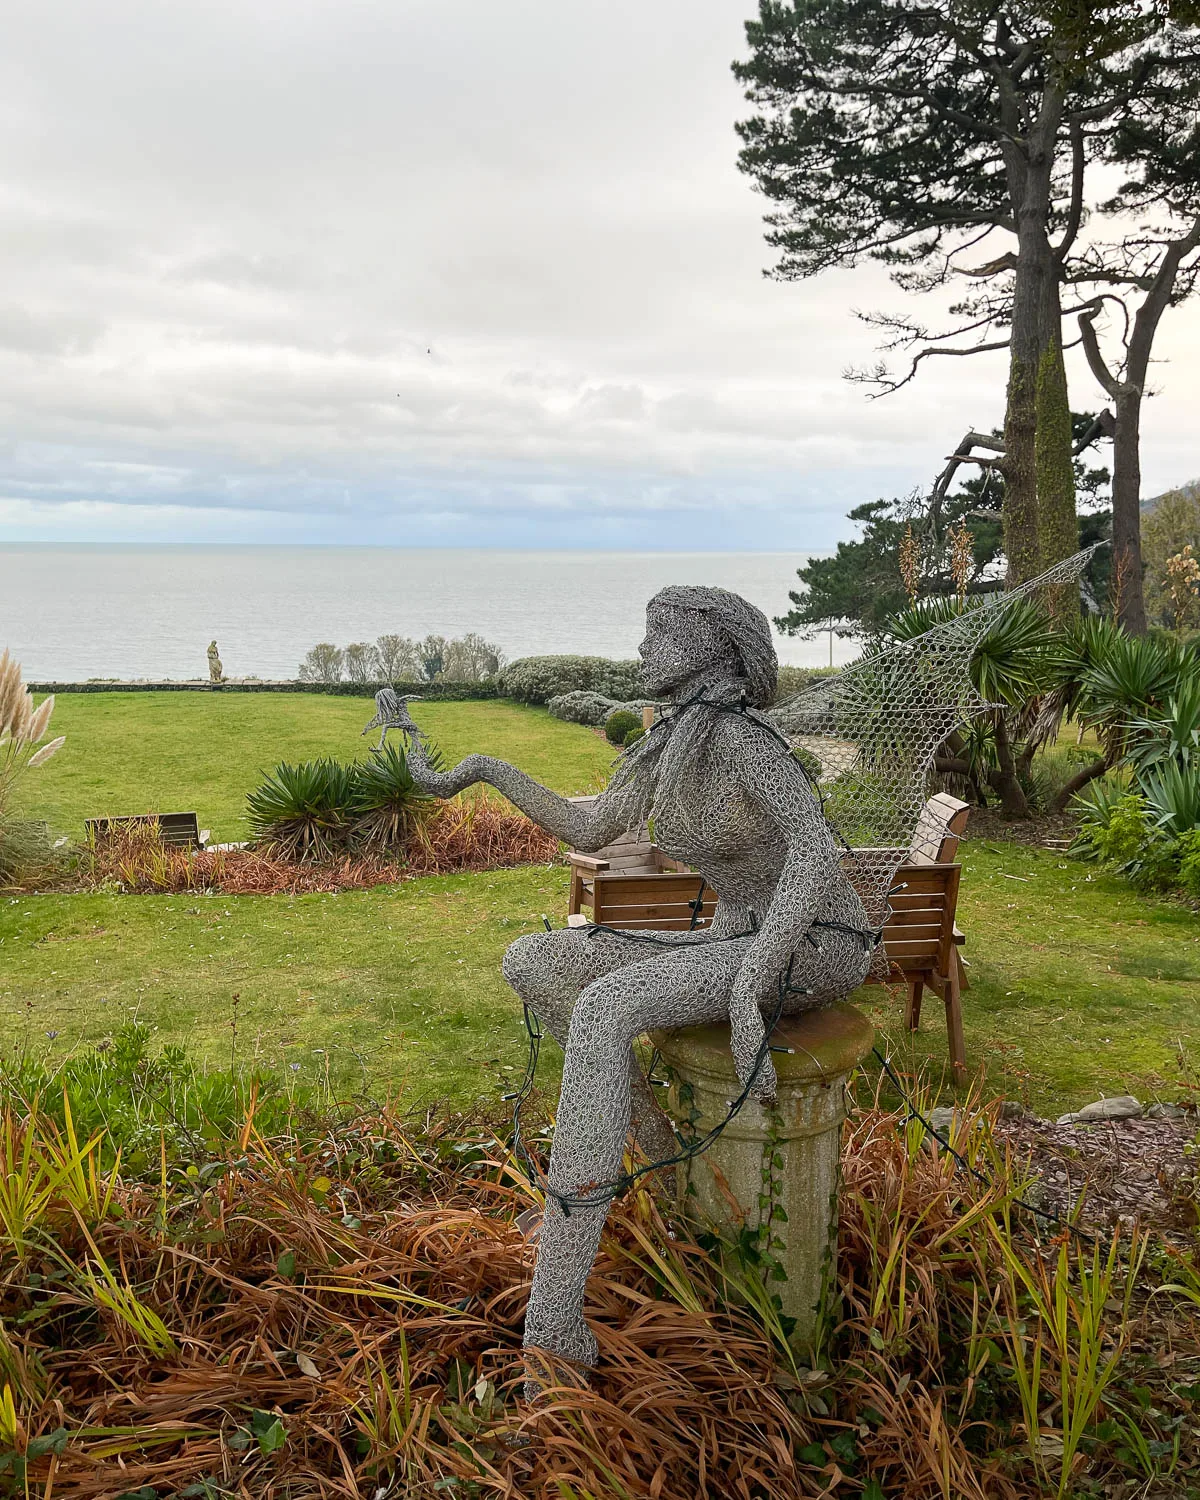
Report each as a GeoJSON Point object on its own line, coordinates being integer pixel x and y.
{"type": "Point", "coordinates": [1013, 801]}
{"type": "Point", "coordinates": [1127, 511]}
{"type": "Point", "coordinates": [1076, 784]}
{"type": "Point", "coordinates": [1057, 528]}
{"type": "Point", "coordinates": [1033, 378]}
{"type": "Point", "coordinates": [1019, 465]}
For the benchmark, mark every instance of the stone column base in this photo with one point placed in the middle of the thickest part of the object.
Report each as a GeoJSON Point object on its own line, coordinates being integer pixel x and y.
{"type": "Point", "coordinates": [780, 1164]}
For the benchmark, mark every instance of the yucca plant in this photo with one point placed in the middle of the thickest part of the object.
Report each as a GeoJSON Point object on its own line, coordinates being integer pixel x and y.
{"type": "Point", "coordinates": [304, 811]}
{"type": "Point", "coordinates": [388, 806]}
{"type": "Point", "coordinates": [1173, 796]}
{"type": "Point", "coordinates": [1172, 735]}
{"type": "Point", "coordinates": [1017, 661]}
{"type": "Point", "coordinates": [1134, 676]}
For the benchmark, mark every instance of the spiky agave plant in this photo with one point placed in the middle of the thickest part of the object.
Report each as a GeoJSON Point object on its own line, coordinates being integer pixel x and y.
{"type": "Point", "coordinates": [304, 811]}
{"type": "Point", "coordinates": [388, 806]}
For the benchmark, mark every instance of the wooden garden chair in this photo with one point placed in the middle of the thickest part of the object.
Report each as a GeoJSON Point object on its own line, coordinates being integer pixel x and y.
{"type": "Point", "coordinates": [632, 883]}
{"type": "Point", "coordinates": [182, 829]}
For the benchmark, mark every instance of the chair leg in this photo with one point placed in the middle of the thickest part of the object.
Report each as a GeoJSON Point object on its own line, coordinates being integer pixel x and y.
{"type": "Point", "coordinates": [954, 1026]}
{"type": "Point", "coordinates": [912, 1003]}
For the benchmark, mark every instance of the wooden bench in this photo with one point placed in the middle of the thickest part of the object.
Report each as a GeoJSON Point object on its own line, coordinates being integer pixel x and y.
{"type": "Point", "coordinates": [632, 883]}
{"type": "Point", "coordinates": [182, 829]}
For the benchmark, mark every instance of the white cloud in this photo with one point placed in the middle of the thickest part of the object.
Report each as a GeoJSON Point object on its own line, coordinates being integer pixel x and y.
{"type": "Point", "coordinates": [369, 271]}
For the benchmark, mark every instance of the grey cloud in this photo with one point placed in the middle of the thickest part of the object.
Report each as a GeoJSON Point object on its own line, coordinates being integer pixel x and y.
{"type": "Point", "coordinates": [348, 259]}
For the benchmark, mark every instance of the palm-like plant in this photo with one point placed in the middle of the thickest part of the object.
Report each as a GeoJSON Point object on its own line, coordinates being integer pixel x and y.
{"type": "Point", "coordinates": [1016, 662]}
{"type": "Point", "coordinates": [1172, 735]}
{"type": "Point", "coordinates": [304, 811]}
{"type": "Point", "coordinates": [388, 806]}
{"type": "Point", "coordinates": [1134, 675]}
{"type": "Point", "coordinates": [1173, 796]}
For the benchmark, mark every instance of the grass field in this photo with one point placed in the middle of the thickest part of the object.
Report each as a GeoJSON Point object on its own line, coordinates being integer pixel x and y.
{"type": "Point", "coordinates": [1078, 986]}
{"type": "Point", "coordinates": [175, 752]}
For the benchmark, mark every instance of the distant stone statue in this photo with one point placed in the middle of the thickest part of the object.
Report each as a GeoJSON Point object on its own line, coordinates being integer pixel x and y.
{"type": "Point", "coordinates": [216, 673]}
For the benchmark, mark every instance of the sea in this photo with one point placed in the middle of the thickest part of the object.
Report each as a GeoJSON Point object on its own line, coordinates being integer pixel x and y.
{"type": "Point", "coordinates": [73, 612]}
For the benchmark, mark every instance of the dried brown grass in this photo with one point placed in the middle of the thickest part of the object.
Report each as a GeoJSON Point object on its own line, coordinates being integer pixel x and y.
{"type": "Point", "coordinates": [367, 1292]}
{"type": "Point", "coordinates": [466, 834]}
{"type": "Point", "coordinates": [405, 1295]}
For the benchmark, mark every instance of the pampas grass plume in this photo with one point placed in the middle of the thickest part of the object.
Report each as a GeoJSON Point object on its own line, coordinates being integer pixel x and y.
{"type": "Point", "coordinates": [10, 691]}
{"type": "Point", "coordinates": [41, 719]}
{"type": "Point", "coordinates": [39, 757]}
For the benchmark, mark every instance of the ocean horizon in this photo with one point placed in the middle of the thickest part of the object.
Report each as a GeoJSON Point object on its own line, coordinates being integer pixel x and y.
{"type": "Point", "coordinates": [73, 611]}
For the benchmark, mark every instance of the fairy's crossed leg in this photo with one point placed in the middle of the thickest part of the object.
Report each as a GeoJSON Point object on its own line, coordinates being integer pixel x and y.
{"type": "Point", "coordinates": [596, 992]}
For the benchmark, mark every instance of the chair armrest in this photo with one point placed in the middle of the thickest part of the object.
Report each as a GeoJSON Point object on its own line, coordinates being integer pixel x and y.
{"type": "Point", "coordinates": [577, 919]}
{"type": "Point", "coordinates": [586, 861]}
{"type": "Point", "coordinates": [668, 865]}
{"type": "Point", "coordinates": [959, 935]}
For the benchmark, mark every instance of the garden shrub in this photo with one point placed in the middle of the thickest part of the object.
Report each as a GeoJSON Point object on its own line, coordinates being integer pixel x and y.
{"type": "Point", "coordinates": [592, 708]}
{"type": "Point", "coordinates": [793, 680]}
{"type": "Point", "coordinates": [810, 763]}
{"type": "Point", "coordinates": [633, 736]}
{"type": "Point", "coordinates": [304, 811]}
{"type": "Point", "coordinates": [537, 679]}
{"type": "Point", "coordinates": [618, 724]}
{"type": "Point", "coordinates": [1188, 850]}
{"type": "Point", "coordinates": [388, 806]}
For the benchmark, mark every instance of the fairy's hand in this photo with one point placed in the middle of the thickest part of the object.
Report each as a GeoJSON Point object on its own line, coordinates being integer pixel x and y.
{"type": "Point", "coordinates": [750, 1055]}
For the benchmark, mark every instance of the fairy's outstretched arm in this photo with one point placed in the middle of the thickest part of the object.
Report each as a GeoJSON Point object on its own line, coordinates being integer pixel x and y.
{"type": "Point", "coordinates": [586, 827]}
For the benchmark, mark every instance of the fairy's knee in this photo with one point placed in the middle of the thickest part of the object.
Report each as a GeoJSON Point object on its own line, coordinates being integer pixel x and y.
{"type": "Point", "coordinates": [604, 1017]}
{"type": "Point", "coordinates": [542, 963]}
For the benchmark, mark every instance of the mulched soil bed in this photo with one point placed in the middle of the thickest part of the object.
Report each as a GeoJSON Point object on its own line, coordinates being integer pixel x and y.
{"type": "Point", "coordinates": [1048, 830]}
{"type": "Point", "coordinates": [1112, 1171]}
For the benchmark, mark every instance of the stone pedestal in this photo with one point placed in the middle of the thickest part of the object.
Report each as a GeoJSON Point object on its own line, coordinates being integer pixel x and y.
{"type": "Point", "coordinates": [797, 1143]}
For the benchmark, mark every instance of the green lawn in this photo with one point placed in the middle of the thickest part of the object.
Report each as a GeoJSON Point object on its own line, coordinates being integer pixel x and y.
{"type": "Point", "coordinates": [174, 752]}
{"type": "Point", "coordinates": [1079, 986]}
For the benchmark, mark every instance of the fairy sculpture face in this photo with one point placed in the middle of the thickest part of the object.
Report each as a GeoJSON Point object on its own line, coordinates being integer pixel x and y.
{"type": "Point", "coordinates": [680, 645]}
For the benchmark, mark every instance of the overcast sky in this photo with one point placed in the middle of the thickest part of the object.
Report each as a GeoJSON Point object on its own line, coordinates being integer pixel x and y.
{"type": "Point", "coordinates": [473, 273]}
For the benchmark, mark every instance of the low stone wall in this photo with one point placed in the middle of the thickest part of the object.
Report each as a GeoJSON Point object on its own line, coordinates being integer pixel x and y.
{"type": "Point", "coordinates": [446, 691]}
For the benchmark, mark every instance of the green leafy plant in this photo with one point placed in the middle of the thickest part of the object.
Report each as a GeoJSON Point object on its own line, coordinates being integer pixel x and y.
{"type": "Point", "coordinates": [387, 806]}
{"type": "Point", "coordinates": [1173, 796]}
{"type": "Point", "coordinates": [304, 811]}
{"type": "Point", "coordinates": [1171, 735]}
{"type": "Point", "coordinates": [633, 736]}
{"type": "Point", "coordinates": [618, 725]}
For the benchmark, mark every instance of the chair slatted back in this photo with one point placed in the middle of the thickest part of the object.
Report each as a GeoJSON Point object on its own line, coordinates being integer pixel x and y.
{"type": "Point", "coordinates": [182, 829]}
{"type": "Point", "coordinates": [919, 934]}
{"type": "Point", "coordinates": [942, 822]}
{"type": "Point", "coordinates": [630, 852]}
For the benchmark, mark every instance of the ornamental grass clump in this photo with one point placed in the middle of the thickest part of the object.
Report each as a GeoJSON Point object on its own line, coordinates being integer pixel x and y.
{"type": "Point", "coordinates": [279, 1301]}
{"type": "Point", "coordinates": [23, 728]}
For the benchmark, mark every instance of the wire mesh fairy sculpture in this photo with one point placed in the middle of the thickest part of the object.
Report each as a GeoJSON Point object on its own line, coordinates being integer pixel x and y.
{"type": "Point", "coordinates": [801, 849]}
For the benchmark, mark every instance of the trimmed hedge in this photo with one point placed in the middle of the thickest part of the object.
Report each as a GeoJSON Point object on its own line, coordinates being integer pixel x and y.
{"type": "Point", "coordinates": [446, 691]}
{"type": "Point", "coordinates": [537, 679]}
{"type": "Point", "coordinates": [618, 724]}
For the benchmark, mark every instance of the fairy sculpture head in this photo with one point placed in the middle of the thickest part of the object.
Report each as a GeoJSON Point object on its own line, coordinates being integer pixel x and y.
{"type": "Point", "coordinates": [705, 637]}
